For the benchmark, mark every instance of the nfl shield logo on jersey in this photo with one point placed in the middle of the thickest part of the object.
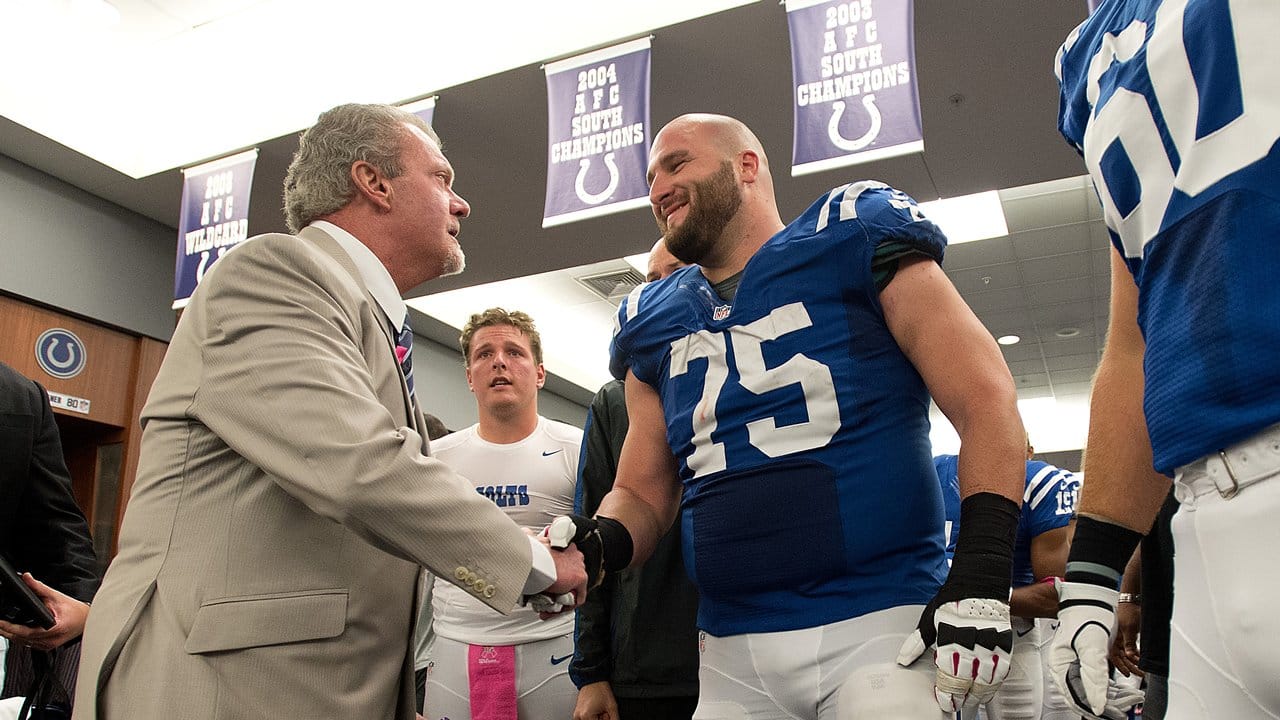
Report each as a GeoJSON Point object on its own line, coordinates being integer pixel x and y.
{"type": "Point", "coordinates": [721, 312]}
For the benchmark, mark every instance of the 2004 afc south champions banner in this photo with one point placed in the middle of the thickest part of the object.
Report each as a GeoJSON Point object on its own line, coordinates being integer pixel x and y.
{"type": "Point", "coordinates": [214, 218]}
{"type": "Point", "coordinates": [598, 133]}
{"type": "Point", "coordinates": [854, 82]}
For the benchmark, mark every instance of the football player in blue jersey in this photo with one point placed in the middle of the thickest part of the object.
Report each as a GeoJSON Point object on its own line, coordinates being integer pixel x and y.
{"type": "Point", "coordinates": [1174, 106]}
{"type": "Point", "coordinates": [785, 382]}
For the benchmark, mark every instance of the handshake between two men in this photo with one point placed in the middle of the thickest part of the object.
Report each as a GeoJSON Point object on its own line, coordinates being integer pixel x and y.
{"type": "Point", "coordinates": [573, 537]}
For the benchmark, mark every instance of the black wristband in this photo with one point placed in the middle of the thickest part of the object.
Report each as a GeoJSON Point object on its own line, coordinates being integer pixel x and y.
{"type": "Point", "coordinates": [1100, 550]}
{"type": "Point", "coordinates": [615, 543]}
{"type": "Point", "coordinates": [983, 562]}
{"type": "Point", "coordinates": [605, 544]}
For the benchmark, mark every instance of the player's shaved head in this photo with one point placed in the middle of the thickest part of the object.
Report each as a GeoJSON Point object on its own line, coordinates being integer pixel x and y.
{"type": "Point", "coordinates": [726, 134]}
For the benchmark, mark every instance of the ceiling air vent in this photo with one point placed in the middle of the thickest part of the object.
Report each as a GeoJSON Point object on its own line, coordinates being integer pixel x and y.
{"type": "Point", "coordinates": [614, 285]}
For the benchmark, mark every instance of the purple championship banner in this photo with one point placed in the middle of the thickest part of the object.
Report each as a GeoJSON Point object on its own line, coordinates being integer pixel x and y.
{"type": "Point", "coordinates": [853, 68]}
{"type": "Point", "coordinates": [214, 219]}
{"type": "Point", "coordinates": [598, 133]}
{"type": "Point", "coordinates": [424, 108]}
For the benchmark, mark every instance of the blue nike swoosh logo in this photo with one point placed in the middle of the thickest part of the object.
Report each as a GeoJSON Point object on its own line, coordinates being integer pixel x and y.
{"type": "Point", "coordinates": [553, 452]}
{"type": "Point", "coordinates": [556, 661]}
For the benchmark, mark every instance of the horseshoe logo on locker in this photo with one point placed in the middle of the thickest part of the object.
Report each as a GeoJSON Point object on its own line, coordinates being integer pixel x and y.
{"type": "Point", "coordinates": [60, 353]}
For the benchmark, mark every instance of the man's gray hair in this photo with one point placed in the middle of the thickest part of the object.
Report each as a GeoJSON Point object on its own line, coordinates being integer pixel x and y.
{"type": "Point", "coordinates": [319, 178]}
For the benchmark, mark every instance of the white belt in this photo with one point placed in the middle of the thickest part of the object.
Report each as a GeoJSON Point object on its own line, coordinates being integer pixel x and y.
{"type": "Point", "coordinates": [1228, 471]}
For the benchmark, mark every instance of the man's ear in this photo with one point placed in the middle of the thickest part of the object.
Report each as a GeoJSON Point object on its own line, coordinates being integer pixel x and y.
{"type": "Point", "coordinates": [542, 376]}
{"type": "Point", "coordinates": [748, 166]}
{"type": "Point", "coordinates": [371, 184]}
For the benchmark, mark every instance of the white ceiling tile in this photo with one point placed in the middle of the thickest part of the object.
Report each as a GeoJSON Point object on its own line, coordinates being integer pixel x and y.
{"type": "Point", "coordinates": [1055, 267]}
{"type": "Point", "coordinates": [1065, 348]}
{"type": "Point", "coordinates": [1072, 376]}
{"type": "Point", "coordinates": [1057, 292]}
{"type": "Point", "coordinates": [1028, 349]}
{"type": "Point", "coordinates": [1046, 209]}
{"type": "Point", "coordinates": [1008, 322]}
{"type": "Point", "coordinates": [1026, 367]}
{"type": "Point", "coordinates": [1085, 361]}
{"type": "Point", "coordinates": [991, 251]}
{"type": "Point", "coordinates": [1052, 318]}
{"type": "Point", "coordinates": [1033, 380]}
{"type": "Point", "coordinates": [993, 277]}
{"type": "Point", "coordinates": [1052, 241]}
{"type": "Point", "coordinates": [996, 300]}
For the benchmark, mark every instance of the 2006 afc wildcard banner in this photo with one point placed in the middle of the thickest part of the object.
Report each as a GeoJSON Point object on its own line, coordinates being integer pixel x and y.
{"type": "Point", "coordinates": [598, 133]}
{"type": "Point", "coordinates": [214, 218]}
{"type": "Point", "coordinates": [854, 82]}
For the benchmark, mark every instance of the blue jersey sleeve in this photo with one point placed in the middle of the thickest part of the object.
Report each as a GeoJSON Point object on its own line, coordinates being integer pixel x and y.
{"type": "Point", "coordinates": [947, 467]}
{"type": "Point", "coordinates": [1050, 499]}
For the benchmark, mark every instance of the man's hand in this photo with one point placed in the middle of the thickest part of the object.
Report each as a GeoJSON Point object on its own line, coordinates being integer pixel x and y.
{"type": "Point", "coordinates": [973, 640]}
{"type": "Point", "coordinates": [1078, 656]}
{"type": "Point", "coordinates": [596, 702]}
{"type": "Point", "coordinates": [1124, 646]}
{"type": "Point", "coordinates": [69, 615]}
{"type": "Point", "coordinates": [570, 588]}
{"type": "Point", "coordinates": [1120, 699]}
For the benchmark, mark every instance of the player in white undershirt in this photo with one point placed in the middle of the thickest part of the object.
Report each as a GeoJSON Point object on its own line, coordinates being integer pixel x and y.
{"type": "Point", "coordinates": [527, 464]}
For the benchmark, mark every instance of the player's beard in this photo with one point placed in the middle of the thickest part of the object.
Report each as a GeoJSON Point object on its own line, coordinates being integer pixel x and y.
{"type": "Point", "coordinates": [712, 204]}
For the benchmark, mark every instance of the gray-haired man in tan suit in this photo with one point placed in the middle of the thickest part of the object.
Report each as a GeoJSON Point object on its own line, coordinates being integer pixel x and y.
{"type": "Point", "coordinates": [285, 500]}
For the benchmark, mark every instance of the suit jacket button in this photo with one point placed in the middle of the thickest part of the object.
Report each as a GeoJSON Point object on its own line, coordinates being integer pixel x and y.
{"type": "Point", "coordinates": [460, 573]}
{"type": "Point", "coordinates": [489, 591]}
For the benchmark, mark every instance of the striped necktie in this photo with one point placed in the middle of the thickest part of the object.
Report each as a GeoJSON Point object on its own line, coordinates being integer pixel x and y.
{"type": "Point", "coordinates": [404, 352]}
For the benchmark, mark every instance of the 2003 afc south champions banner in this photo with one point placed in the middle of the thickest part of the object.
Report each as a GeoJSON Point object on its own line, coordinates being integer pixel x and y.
{"type": "Point", "coordinates": [214, 218]}
{"type": "Point", "coordinates": [598, 133]}
{"type": "Point", "coordinates": [854, 73]}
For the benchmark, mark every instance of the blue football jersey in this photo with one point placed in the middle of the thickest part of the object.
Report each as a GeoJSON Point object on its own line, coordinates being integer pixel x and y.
{"type": "Point", "coordinates": [948, 469]}
{"type": "Point", "coordinates": [1047, 504]}
{"type": "Point", "coordinates": [800, 427]}
{"type": "Point", "coordinates": [1175, 109]}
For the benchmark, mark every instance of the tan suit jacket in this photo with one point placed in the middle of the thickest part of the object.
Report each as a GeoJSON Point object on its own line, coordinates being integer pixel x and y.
{"type": "Point", "coordinates": [283, 505]}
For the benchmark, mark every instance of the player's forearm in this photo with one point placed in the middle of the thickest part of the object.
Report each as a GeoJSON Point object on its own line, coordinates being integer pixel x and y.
{"type": "Point", "coordinates": [1121, 485]}
{"type": "Point", "coordinates": [1034, 601]}
{"type": "Point", "coordinates": [992, 448]}
{"type": "Point", "coordinates": [647, 519]}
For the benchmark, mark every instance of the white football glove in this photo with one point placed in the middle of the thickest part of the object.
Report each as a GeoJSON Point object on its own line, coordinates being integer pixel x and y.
{"type": "Point", "coordinates": [1078, 656]}
{"type": "Point", "coordinates": [1120, 698]}
{"type": "Point", "coordinates": [974, 641]}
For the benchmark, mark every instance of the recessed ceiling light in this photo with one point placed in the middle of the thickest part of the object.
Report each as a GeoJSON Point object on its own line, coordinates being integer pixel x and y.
{"type": "Point", "coordinates": [1068, 332]}
{"type": "Point", "coordinates": [1008, 339]}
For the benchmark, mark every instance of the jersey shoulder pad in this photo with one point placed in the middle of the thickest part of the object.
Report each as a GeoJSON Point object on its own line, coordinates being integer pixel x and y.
{"type": "Point", "coordinates": [1042, 481]}
{"type": "Point", "coordinates": [872, 212]}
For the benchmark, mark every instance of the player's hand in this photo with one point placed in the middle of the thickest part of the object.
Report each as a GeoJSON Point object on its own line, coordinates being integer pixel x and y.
{"type": "Point", "coordinates": [1124, 644]}
{"type": "Point", "coordinates": [1120, 699]}
{"type": "Point", "coordinates": [973, 641]}
{"type": "Point", "coordinates": [596, 702]}
{"type": "Point", "coordinates": [1078, 656]}
{"type": "Point", "coordinates": [570, 587]}
{"type": "Point", "coordinates": [69, 617]}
